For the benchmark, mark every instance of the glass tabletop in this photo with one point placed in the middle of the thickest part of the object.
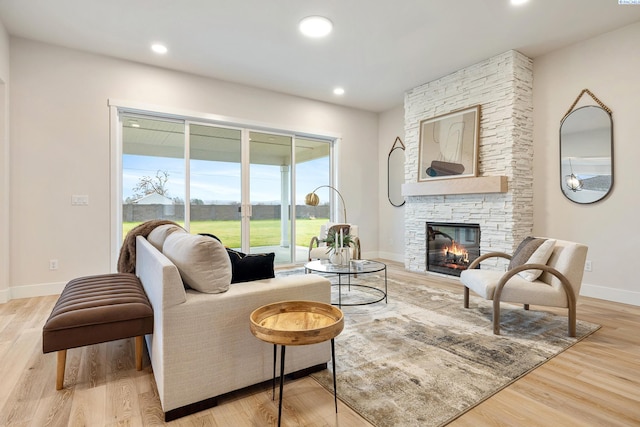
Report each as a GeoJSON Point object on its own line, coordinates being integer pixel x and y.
{"type": "Point", "coordinates": [355, 266]}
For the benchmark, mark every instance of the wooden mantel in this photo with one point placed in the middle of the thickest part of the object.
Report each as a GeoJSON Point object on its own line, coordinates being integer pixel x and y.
{"type": "Point", "coordinates": [473, 185]}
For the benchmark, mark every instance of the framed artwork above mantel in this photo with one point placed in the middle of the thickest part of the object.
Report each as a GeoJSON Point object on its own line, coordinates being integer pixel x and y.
{"type": "Point", "coordinates": [449, 145]}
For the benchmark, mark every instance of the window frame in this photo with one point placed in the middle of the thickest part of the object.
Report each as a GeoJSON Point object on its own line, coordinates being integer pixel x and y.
{"type": "Point", "coordinates": [119, 107]}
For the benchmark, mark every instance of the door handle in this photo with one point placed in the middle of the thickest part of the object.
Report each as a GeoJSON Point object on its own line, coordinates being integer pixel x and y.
{"type": "Point", "coordinates": [247, 208]}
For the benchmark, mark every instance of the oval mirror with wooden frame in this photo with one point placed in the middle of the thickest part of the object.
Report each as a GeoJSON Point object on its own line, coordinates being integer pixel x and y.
{"type": "Point", "coordinates": [395, 173]}
{"type": "Point", "coordinates": [586, 152]}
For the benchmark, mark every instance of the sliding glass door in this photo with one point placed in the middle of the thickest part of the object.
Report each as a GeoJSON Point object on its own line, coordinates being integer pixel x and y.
{"type": "Point", "coordinates": [313, 169]}
{"type": "Point", "coordinates": [215, 182]}
{"type": "Point", "coordinates": [153, 170]}
{"type": "Point", "coordinates": [244, 186]}
{"type": "Point", "coordinates": [270, 172]}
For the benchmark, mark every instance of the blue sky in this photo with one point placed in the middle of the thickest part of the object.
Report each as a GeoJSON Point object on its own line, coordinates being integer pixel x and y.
{"type": "Point", "coordinates": [220, 181]}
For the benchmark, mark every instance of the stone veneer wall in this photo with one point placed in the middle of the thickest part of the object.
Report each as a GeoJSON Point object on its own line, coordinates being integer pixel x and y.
{"type": "Point", "coordinates": [503, 87]}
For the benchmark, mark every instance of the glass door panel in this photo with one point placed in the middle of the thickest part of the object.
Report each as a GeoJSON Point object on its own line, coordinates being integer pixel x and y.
{"type": "Point", "coordinates": [153, 170]}
{"type": "Point", "coordinates": [215, 182]}
{"type": "Point", "coordinates": [312, 170]}
{"type": "Point", "coordinates": [270, 194]}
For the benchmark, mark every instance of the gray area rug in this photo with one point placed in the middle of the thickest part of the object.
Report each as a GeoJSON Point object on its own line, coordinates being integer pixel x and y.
{"type": "Point", "coordinates": [424, 360]}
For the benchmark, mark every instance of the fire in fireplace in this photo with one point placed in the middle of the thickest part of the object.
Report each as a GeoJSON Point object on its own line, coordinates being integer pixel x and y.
{"type": "Point", "coordinates": [451, 247]}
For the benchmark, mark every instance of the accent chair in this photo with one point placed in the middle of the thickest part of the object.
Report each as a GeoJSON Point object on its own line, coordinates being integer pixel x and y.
{"type": "Point", "coordinates": [553, 281]}
{"type": "Point", "coordinates": [319, 250]}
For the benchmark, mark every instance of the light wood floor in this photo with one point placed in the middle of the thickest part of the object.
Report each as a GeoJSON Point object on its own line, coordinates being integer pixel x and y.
{"type": "Point", "coordinates": [594, 383]}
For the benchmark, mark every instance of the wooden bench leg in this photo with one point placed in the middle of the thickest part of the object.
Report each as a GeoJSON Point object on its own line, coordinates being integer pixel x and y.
{"type": "Point", "coordinates": [62, 360]}
{"type": "Point", "coordinates": [139, 349]}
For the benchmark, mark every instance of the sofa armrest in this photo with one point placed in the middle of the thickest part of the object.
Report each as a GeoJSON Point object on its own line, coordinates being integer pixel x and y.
{"type": "Point", "coordinates": [159, 276]}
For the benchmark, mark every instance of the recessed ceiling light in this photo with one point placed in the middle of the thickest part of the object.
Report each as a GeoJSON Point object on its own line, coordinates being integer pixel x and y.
{"type": "Point", "coordinates": [338, 91]}
{"type": "Point", "coordinates": [315, 26]}
{"type": "Point", "coordinates": [518, 2]}
{"type": "Point", "coordinates": [159, 48]}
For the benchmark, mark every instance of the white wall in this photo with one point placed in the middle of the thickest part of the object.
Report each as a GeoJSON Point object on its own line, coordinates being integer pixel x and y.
{"type": "Point", "coordinates": [608, 66]}
{"type": "Point", "coordinates": [4, 164]}
{"type": "Point", "coordinates": [60, 147]}
{"type": "Point", "coordinates": [391, 228]}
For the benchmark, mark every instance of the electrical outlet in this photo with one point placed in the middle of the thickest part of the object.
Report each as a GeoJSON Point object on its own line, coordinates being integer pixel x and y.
{"type": "Point", "coordinates": [53, 264]}
{"type": "Point", "coordinates": [587, 266]}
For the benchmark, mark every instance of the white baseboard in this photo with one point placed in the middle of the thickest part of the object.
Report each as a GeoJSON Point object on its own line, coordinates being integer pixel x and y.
{"type": "Point", "coordinates": [391, 256]}
{"type": "Point", "coordinates": [4, 296]}
{"type": "Point", "coordinates": [610, 294]}
{"type": "Point", "coordinates": [37, 290]}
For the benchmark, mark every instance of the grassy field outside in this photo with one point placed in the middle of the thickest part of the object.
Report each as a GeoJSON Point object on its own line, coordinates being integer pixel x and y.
{"type": "Point", "coordinates": [265, 232]}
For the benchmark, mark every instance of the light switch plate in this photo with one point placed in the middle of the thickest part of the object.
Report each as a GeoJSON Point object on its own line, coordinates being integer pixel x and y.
{"type": "Point", "coordinates": [79, 200]}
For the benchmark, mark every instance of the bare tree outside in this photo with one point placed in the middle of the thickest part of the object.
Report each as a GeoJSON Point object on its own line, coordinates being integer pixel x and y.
{"type": "Point", "coordinates": [152, 184]}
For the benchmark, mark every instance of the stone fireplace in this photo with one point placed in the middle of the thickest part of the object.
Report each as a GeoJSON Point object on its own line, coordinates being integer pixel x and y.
{"type": "Point", "coordinates": [503, 87]}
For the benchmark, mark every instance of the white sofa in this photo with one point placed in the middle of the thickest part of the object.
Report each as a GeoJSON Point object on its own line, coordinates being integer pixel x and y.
{"type": "Point", "coordinates": [202, 347]}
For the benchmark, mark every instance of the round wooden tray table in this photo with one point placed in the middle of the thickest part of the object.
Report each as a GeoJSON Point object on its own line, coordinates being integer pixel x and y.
{"type": "Point", "coordinates": [297, 323]}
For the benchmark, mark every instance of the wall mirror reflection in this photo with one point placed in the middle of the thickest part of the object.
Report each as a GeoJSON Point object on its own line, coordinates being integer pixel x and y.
{"type": "Point", "coordinates": [586, 153]}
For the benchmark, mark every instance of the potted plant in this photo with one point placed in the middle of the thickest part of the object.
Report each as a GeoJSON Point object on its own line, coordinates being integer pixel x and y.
{"type": "Point", "coordinates": [336, 242]}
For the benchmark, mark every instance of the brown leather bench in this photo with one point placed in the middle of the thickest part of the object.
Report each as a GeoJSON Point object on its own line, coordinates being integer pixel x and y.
{"type": "Point", "coordinates": [97, 309]}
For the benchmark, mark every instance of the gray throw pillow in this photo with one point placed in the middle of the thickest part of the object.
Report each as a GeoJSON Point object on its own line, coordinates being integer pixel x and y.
{"type": "Point", "coordinates": [532, 250]}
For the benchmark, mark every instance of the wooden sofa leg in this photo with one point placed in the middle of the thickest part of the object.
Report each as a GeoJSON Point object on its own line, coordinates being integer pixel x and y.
{"type": "Point", "coordinates": [526, 306]}
{"type": "Point", "coordinates": [139, 349]}
{"type": "Point", "coordinates": [62, 360]}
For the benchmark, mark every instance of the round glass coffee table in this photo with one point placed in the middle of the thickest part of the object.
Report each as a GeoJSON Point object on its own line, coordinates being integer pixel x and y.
{"type": "Point", "coordinates": [353, 268]}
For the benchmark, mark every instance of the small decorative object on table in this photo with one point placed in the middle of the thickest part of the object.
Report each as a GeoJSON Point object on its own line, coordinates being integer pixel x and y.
{"type": "Point", "coordinates": [338, 246]}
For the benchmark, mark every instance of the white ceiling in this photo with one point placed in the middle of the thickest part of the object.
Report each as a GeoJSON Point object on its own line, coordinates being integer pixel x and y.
{"type": "Point", "coordinates": [377, 51]}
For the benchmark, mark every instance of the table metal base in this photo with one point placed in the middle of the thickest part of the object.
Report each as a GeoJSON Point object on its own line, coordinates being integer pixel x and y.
{"type": "Point", "coordinates": [282, 354]}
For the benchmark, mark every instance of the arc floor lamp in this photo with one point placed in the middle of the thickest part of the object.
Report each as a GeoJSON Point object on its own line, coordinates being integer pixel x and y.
{"type": "Point", "coordinates": [312, 199]}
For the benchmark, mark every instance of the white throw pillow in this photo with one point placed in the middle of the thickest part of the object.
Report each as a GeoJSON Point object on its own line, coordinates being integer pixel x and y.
{"type": "Point", "coordinates": [203, 262]}
{"type": "Point", "coordinates": [532, 251]}
{"type": "Point", "coordinates": [159, 234]}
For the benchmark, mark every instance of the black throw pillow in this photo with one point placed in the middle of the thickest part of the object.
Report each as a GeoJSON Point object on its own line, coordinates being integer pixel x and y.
{"type": "Point", "coordinates": [249, 267]}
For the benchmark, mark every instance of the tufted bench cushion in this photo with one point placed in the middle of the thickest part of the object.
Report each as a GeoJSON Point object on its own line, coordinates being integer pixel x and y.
{"type": "Point", "coordinates": [96, 309]}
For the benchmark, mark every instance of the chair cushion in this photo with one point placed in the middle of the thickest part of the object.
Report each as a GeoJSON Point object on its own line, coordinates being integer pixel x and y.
{"type": "Point", "coordinates": [532, 250]}
{"type": "Point", "coordinates": [517, 289]}
{"type": "Point", "coordinates": [321, 253]}
{"type": "Point", "coordinates": [203, 262]}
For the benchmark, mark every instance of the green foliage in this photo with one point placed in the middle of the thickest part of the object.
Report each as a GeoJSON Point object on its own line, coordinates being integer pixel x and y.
{"type": "Point", "coordinates": [331, 239]}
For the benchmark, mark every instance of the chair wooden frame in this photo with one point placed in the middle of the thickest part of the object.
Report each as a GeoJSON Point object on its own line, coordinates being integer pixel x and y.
{"type": "Point", "coordinates": [566, 286]}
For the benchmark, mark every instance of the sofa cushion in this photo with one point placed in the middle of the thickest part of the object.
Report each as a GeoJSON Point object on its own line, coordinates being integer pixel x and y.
{"type": "Point", "coordinates": [203, 262]}
{"type": "Point", "coordinates": [249, 267]}
{"type": "Point", "coordinates": [159, 234]}
{"type": "Point", "coordinates": [532, 250]}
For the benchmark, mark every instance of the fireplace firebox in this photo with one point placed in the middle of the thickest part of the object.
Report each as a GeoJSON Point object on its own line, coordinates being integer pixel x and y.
{"type": "Point", "coordinates": [451, 247]}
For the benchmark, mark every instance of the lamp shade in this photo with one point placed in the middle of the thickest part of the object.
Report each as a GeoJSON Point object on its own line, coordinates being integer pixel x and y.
{"type": "Point", "coordinates": [311, 199]}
